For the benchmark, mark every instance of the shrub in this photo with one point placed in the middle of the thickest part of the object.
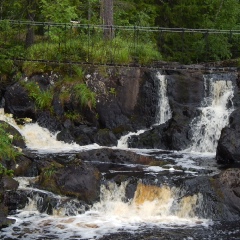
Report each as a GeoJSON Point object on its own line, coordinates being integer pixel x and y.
{"type": "Point", "coordinates": [84, 95]}
{"type": "Point", "coordinates": [43, 99]}
{"type": "Point", "coordinates": [7, 150]}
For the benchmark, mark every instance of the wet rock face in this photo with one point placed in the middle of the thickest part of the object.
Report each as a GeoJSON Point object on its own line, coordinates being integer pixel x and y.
{"type": "Point", "coordinates": [18, 102]}
{"type": "Point", "coordinates": [229, 181]}
{"type": "Point", "coordinates": [228, 149]}
{"type": "Point", "coordinates": [6, 183]}
{"type": "Point", "coordinates": [47, 120]}
{"type": "Point", "coordinates": [185, 93]}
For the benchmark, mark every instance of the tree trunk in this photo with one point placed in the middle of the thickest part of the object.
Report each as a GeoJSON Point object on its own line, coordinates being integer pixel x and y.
{"type": "Point", "coordinates": [31, 8]}
{"type": "Point", "coordinates": [107, 16]}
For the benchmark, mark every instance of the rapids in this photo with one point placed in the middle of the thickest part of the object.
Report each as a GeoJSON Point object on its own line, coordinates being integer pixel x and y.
{"type": "Point", "coordinates": [160, 211]}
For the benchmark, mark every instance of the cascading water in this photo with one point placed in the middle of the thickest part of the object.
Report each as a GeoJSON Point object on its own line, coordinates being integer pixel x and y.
{"type": "Point", "coordinates": [159, 205]}
{"type": "Point", "coordinates": [41, 139]}
{"type": "Point", "coordinates": [214, 114]}
{"type": "Point", "coordinates": [163, 110]}
{"type": "Point", "coordinates": [151, 205]}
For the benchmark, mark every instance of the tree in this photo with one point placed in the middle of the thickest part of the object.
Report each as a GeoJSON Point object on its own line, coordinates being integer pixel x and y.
{"type": "Point", "coordinates": [107, 18]}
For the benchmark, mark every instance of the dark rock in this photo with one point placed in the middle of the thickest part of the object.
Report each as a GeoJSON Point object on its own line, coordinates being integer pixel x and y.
{"type": "Point", "coordinates": [15, 200]}
{"type": "Point", "coordinates": [82, 135]}
{"type": "Point", "coordinates": [9, 183]}
{"type": "Point", "coordinates": [77, 180]}
{"type": "Point", "coordinates": [24, 167]}
{"type": "Point", "coordinates": [47, 120]}
{"type": "Point", "coordinates": [114, 119]}
{"type": "Point", "coordinates": [185, 93]}
{"type": "Point", "coordinates": [114, 156]}
{"type": "Point", "coordinates": [18, 102]}
{"type": "Point", "coordinates": [147, 102]}
{"type": "Point", "coordinates": [105, 137]}
{"type": "Point", "coordinates": [66, 136]}
{"type": "Point", "coordinates": [57, 106]}
{"type": "Point", "coordinates": [228, 149]}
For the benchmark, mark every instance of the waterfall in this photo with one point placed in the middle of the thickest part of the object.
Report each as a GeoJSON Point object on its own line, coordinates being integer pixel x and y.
{"type": "Point", "coordinates": [151, 205]}
{"type": "Point", "coordinates": [163, 108]}
{"type": "Point", "coordinates": [41, 139]}
{"type": "Point", "coordinates": [163, 111]}
{"type": "Point", "coordinates": [214, 114]}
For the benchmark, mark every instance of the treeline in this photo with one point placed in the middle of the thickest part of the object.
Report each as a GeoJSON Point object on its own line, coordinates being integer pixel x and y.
{"type": "Point", "coordinates": [183, 47]}
{"type": "Point", "coordinates": [219, 14]}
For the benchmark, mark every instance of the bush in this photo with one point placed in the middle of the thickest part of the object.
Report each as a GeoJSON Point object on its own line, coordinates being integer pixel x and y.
{"type": "Point", "coordinates": [43, 99]}
{"type": "Point", "coordinates": [7, 150]}
{"type": "Point", "coordinates": [84, 95]}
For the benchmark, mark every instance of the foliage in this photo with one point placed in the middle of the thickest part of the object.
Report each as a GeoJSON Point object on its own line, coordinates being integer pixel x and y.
{"type": "Point", "coordinates": [7, 150]}
{"type": "Point", "coordinates": [84, 95]}
{"type": "Point", "coordinates": [43, 99]}
{"type": "Point", "coordinates": [74, 116]}
{"type": "Point", "coordinates": [70, 43]}
{"type": "Point", "coordinates": [5, 172]}
{"type": "Point", "coordinates": [113, 91]}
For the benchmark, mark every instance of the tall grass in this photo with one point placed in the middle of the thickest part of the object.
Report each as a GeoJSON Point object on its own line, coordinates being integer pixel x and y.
{"type": "Point", "coordinates": [84, 95]}
{"type": "Point", "coordinates": [7, 151]}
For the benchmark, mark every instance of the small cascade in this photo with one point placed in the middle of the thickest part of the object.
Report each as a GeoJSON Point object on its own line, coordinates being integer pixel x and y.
{"type": "Point", "coordinates": [163, 109]}
{"type": "Point", "coordinates": [123, 141]}
{"type": "Point", "coordinates": [214, 115]}
{"type": "Point", "coordinates": [41, 139]}
{"type": "Point", "coordinates": [163, 112]}
{"type": "Point", "coordinates": [151, 205]}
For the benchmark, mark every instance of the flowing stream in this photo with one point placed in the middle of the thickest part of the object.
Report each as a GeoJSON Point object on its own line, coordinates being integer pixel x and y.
{"type": "Point", "coordinates": [152, 207]}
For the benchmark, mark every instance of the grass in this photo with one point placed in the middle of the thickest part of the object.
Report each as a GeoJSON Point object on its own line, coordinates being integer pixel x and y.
{"type": "Point", "coordinates": [42, 99]}
{"type": "Point", "coordinates": [93, 50]}
{"type": "Point", "coordinates": [7, 150]}
{"type": "Point", "coordinates": [84, 95]}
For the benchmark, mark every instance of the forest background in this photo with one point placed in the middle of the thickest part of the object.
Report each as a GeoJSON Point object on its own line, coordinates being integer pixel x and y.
{"type": "Point", "coordinates": [185, 47]}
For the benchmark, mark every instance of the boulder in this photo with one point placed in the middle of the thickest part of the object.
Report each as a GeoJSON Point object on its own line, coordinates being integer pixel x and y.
{"type": "Point", "coordinates": [47, 120]}
{"type": "Point", "coordinates": [228, 149]}
{"type": "Point", "coordinates": [79, 180]}
{"type": "Point", "coordinates": [18, 102]}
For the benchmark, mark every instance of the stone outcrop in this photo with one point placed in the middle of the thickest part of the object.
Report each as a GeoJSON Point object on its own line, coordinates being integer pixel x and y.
{"type": "Point", "coordinates": [18, 102]}
{"type": "Point", "coordinates": [228, 149]}
{"type": "Point", "coordinates": [78, 179]}
{"type": "Point", "coordinates": [185, 92]}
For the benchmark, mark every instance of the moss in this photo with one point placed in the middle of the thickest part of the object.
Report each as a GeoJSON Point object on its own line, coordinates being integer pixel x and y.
{"type": "Point", "coordinates": [158, 163]}
{"type": "Point", "coordinates": [215, 186]}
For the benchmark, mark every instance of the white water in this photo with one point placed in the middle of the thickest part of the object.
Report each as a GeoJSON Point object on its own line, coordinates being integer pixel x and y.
{"type": "Point", "coordinates": [163, 111]}
{"type": "Point", "coordinates": [214, 115]}
{"type": "Point", "coordinates": [41, 139]}
{"type": "Point", "coordinates": [151, 206]}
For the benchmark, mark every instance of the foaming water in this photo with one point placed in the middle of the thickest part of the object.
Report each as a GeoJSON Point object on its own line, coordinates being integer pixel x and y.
{"type": "Point", "coordinates": [214, 115]}
{"type": "Point", "coordinates": [150, 206]}
{"type": "Point", "coordinates": [41, 139]}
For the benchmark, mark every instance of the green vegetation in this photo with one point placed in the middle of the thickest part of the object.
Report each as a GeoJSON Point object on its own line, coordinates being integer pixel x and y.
{"type": "Point", "coordinates": [5, 172]}
{"type": "Point", "coordinates": [7, 150]}
{"type": "Point", "coordinates": [85, 96]}
{"type": "Point", "coordinates": [72, 32]}
{"type": "Point", "coordinates": [43, 99]}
